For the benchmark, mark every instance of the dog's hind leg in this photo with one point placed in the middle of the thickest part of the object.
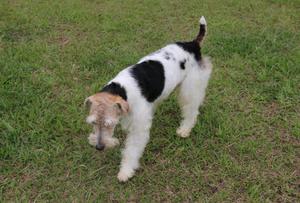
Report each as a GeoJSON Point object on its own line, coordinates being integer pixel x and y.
{"type": "Point", "coordinates": [136, 142]}
{"type": "Point", "coordinates": [191, 95]}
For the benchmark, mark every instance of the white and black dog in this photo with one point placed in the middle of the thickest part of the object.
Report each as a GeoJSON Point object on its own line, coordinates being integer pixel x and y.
{"type": "Point", "coordinates": [132, 96]}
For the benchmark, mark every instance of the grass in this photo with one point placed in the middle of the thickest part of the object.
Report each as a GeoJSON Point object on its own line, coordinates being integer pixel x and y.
{"type": "Point", "coordinates": [244, 148]}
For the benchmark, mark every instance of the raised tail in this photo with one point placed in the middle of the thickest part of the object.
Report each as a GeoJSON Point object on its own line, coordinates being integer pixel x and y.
{"type": "Point", "coordinates": [202, 30]}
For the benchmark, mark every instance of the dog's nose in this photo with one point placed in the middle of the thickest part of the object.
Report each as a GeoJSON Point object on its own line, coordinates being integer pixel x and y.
{"type": "Point", "coordinates": [100, 146]}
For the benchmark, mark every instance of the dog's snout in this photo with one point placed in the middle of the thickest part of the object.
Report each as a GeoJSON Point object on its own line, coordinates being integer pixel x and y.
{"type": "Point", "coordinates": [100, 146]}
{"type": "Point", "coordinates": [91, 119]}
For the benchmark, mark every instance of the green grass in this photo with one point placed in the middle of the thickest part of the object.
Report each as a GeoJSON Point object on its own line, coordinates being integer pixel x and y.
{"type": "Point", "coordinates": [244, 148]}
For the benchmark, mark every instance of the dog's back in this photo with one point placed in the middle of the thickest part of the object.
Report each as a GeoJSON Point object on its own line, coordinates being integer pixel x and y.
{"type": "Point", "coordinates": [158, 73]}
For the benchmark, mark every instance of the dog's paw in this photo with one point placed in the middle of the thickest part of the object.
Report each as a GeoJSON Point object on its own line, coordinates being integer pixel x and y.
{"type": "Point", "coordinates": [111, 142]}
{"type": "Point", "coordinates": [124, 175]}
{"type": "Point", "coordinates": [92, 139]}
{"type": "Point", "coordinates": [183, 132]}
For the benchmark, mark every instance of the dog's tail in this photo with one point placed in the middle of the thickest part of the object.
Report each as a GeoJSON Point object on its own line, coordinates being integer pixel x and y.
{"type": "Point", "coordinates": [202, 30]}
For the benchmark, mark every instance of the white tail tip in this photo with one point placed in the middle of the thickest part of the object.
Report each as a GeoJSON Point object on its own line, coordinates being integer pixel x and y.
{"type": "Point", "coordinates": [202, 20]}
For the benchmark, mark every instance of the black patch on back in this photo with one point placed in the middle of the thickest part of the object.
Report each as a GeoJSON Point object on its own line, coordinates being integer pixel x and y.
{"type": "Point", "coordinates": [150, 76]}
{"type": "Point", "coordinates": [115, 89]}
{"type": "Point", "coordinates": [182, 64]}
{"type": "Point", "coordinates": [192, 47]}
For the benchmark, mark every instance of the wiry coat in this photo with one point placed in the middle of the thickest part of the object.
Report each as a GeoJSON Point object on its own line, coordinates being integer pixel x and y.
{"type": "Point", "coordinates": [153, 79]}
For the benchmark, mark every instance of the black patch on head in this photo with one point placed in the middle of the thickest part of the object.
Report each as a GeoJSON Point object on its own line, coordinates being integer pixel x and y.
{"type": "Point", "coordinates": [115, 89]}
{"type": "Point", "coordinates": [150, 76]}
{"type": "Point", "coordinates": [192, 47]}
{"type": "Point", "coordinates": [182, 64]}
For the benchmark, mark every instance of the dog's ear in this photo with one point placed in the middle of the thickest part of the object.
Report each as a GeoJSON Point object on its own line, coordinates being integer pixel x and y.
{"type": "Point", "coordinates": [87, 103]}
{"type": "Point", "coordinates": [123, 106]}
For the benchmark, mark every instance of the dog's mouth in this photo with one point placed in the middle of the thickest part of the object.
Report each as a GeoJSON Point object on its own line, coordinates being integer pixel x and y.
{"type": "Point", "coordinates": [100, 146]}
{"type": "Point", "coordinates": [99, 143]}
{"type": "Point", "coordinates": [102, 132]}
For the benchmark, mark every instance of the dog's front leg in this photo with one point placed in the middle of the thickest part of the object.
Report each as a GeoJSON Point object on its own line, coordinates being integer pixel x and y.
{"type": "Point", "coordinates": [136, 142]}
{"type": "Point", "coordinates": [134, 148]}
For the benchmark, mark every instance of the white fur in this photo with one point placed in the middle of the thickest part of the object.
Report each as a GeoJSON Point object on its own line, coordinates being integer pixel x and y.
{"type": "Point", "coordinates": [90, 119]}
{"type": "Point", "coordinates": [93, 139]}
{"type": "Point", "coordinates": [202, 20]}
{"type": "Point", "coordinates": [110, 122]}
{"type": "Point", "coordinates": [192, 81]}
{"type": "Point", "coordinates": [190, 100]}
{"type": "Point", "coordinates": [110, 142]}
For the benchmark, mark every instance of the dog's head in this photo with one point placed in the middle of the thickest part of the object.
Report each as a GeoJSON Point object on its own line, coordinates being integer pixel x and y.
{"type": "Point", "coordinates": [105, 110]}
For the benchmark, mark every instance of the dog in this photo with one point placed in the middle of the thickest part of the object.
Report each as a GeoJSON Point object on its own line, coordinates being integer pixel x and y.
{"type": "Point", "coordinates": [132, 96]}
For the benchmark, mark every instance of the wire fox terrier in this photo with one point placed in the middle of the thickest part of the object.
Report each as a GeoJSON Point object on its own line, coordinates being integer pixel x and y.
{"type": "Point", "coordinates": [131, 98]}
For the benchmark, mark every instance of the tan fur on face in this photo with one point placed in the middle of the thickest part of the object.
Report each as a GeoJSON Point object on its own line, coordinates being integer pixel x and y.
{"type": "Point", "coordinates": [106, 108]}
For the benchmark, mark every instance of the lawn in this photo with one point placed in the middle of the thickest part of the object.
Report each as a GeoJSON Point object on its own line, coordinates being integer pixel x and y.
{"type": "Point", "coordinates": [244, 148]}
